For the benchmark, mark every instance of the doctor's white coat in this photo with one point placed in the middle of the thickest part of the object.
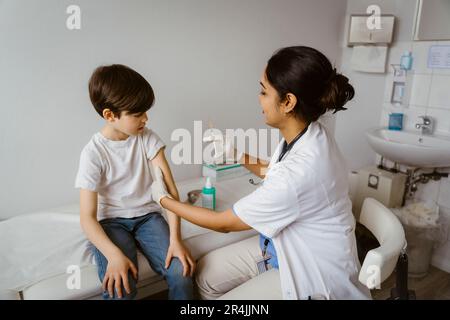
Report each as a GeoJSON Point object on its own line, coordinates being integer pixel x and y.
{"type": "Point", "coordinates": [304, 206]}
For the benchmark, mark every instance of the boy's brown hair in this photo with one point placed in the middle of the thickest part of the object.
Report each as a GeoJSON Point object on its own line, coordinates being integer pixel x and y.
{"type": "Point", "coordinates": [120, 88]}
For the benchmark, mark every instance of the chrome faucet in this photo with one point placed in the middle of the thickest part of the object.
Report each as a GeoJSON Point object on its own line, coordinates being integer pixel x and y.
{"type": "Point", "coordinates": [426, 125]}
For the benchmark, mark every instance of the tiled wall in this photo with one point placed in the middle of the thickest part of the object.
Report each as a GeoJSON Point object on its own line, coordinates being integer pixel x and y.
{"type": "Point", "coordinates": [427, 93]}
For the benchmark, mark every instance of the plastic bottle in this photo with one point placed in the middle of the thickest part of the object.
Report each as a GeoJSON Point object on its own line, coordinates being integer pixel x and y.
{"type": "Point", "coordinates": [209, 195]}
{"type": "Point", "coordinates": [406, 60]}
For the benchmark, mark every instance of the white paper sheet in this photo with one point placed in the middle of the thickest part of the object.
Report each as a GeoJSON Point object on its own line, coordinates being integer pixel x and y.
{"type": "Point", "coordinates": [36, 246]}
{"type": "Point", "coordinates": [370, 58]}
{"type": "Point", "coordinates": [439, 57]}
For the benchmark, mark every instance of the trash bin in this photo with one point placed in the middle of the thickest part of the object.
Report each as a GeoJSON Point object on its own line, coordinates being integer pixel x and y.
{"type": "Point", "coordinates": [423, 230]}
{"type": "Point", "coordinates": [419, 250]}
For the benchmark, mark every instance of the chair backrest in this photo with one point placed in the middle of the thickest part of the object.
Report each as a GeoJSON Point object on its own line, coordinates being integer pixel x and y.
{"type": "Point", "coordinates": [380, 262]}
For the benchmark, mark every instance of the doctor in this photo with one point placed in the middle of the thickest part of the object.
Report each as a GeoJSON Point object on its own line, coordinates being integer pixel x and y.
{"type": "Point", "coordinates": [306, 248]}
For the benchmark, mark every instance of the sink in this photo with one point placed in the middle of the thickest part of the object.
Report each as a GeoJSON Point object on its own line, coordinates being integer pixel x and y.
{"type": "Point", "coordinates": [411, 148]}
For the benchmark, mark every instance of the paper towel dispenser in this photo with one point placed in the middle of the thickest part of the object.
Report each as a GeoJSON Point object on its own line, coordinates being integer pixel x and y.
{"type": "Point", "coordinates": [369, 29]}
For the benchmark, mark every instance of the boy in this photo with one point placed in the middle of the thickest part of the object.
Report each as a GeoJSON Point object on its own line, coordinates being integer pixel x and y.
{"type": "Point", "coordinates": [117, 212]}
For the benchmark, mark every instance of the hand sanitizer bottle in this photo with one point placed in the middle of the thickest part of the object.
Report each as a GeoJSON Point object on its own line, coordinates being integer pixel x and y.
{"type": "Point", "coordinates": [406, 60]}
{"type": "Point", "coordinates": [209, 195]}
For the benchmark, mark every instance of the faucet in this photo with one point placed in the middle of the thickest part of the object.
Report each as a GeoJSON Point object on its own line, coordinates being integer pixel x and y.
{"type": "Point", "coordinates": [426, 125]}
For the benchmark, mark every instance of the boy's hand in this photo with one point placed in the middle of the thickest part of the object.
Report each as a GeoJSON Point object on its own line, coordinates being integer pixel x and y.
{"type": "Point", "coordinates": [159, 189]}
{"type": "Point", "coordinates": [117, 274]}
{"type": "Point", "coordinates": [177, 249]}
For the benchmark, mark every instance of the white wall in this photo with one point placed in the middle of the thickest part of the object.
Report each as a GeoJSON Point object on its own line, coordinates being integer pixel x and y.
{"type": "Point", "coordinates": [203, 58]}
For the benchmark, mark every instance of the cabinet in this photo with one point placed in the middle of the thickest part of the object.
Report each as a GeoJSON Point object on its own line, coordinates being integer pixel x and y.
{"type": "Point", "coordinates": [432, 21]}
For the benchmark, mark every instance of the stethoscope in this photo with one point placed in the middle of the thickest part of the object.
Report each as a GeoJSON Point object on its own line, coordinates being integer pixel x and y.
{"type": "Point", "coordinates": [286, 148]}
{"type": "Point", "coordinates": [255, 183]}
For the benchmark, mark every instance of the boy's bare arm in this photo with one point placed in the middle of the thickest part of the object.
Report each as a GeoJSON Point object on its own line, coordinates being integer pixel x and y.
{"type": "Point", "coordinates": [92, 228]}
{"type": "Point", "coordinates": [174, 221]}
{"type": "Point", "coordinates": [116, 273]}
{"type": "Point", "coordinates": [176, 247]}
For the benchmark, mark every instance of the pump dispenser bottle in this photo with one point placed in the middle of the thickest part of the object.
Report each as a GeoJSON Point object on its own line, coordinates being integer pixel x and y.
{"type": "Point", "coordinates": [209, 195]}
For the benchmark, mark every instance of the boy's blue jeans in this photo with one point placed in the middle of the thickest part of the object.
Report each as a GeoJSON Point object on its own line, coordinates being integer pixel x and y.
{"type": "Point", "coordinates": [149, 233]}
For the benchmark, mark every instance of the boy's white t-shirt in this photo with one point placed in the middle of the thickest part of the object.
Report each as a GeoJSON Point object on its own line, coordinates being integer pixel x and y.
{"type": "Point", "coordinates": [119, 172]}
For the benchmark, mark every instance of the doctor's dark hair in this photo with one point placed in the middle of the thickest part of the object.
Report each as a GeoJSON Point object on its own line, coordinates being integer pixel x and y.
{"type": "Point", "coordinates": [308, 74]}
{"type": "Point", "coordinates": [120, 88]}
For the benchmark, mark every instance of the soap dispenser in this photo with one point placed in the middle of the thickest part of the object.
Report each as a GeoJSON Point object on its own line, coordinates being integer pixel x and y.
{"type": "Point", "coordinates": [406, 60]}
{"type": "Point", "coordinates": [398, 85]}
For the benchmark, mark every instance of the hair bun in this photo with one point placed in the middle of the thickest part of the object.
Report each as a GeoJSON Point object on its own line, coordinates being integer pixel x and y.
{"type": "Point", "coordinates": [332, 76]}
{"type": "Point", "coordinates": [338, 91]}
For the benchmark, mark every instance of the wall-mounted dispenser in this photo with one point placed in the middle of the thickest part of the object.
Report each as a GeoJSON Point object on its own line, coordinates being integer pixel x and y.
{"type": "Point", "coordinates": [399, 82]}
{"type": "Point", "coordinates": [398, 85]}
{"type": "Point", "coordinates": [362, 32]}
{"type": "Point", "coordinates": [370, 41]}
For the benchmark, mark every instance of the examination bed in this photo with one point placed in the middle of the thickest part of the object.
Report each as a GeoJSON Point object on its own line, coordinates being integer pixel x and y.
{"type": "Point", "coordinates": [43, 253]}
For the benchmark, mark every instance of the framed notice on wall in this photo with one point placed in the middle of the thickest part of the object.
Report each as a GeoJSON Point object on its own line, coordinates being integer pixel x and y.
{"type": "Point", "coordinates": [439, 57]}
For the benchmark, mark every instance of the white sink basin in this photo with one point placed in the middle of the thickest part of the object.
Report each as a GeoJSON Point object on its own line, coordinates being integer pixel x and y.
{"type": "Point", "coordinates": [411, 148]}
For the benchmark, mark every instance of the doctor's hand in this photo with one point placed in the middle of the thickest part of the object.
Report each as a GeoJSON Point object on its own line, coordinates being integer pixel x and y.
{"type": "Point", "coordinates": [159, 189]}
{"type": "Point", "coordinates": [237, 156]}
{"type": "Point", "coordinates": [231, 153]}
{"type": "Point", "coordinates": [224, 149]}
